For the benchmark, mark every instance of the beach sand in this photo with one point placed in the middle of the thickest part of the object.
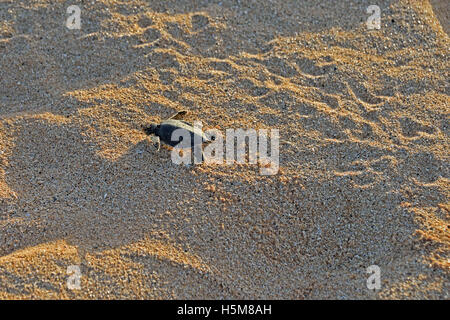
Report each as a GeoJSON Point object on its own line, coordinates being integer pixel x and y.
{"type": "Point", "coordinates": [364, 138]}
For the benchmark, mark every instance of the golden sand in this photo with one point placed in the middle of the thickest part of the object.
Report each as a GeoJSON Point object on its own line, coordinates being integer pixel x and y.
{"type": "Point", "coordinates": [363, 119]}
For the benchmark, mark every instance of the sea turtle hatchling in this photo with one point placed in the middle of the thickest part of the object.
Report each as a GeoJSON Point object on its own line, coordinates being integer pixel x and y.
{"type": "Point", "coordinates": [163, 132]}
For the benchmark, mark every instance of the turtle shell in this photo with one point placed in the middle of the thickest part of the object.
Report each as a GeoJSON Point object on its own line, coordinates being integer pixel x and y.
{"type": "Point", "coordinates": [167, 128]}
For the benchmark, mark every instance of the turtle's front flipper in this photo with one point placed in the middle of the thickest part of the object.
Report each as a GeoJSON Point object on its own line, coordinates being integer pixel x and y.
{"type": "Point", "coordinates": [178, 114]}
{"type": "Point", "coordinates": [156, 141]}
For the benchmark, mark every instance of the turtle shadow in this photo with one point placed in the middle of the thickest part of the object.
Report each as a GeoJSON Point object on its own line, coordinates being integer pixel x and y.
{"type": "Point", "coordinates": [92, 202]}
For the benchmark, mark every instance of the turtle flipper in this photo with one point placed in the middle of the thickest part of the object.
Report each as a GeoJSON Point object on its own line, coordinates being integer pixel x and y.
{"type": "Point", "coordinates": [178, 114]}
{"type": "Point", "coordinates": [156, 141]}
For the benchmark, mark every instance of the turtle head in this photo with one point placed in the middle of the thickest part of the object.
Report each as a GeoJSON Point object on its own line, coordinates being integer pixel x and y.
{"type": "Point", "coordinates": [151, 129]}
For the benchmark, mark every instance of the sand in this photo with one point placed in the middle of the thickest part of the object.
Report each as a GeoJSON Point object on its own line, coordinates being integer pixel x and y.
{"type": "Point", "coordinates": [363, 180]}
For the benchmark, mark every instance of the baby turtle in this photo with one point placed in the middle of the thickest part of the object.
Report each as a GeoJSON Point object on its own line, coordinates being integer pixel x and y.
{"type": "Point", "coordinates": [163, 132]}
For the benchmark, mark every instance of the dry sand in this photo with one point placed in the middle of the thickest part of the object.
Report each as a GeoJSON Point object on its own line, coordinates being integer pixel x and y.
{"type": "Point", "coordinates": [364, 176]}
